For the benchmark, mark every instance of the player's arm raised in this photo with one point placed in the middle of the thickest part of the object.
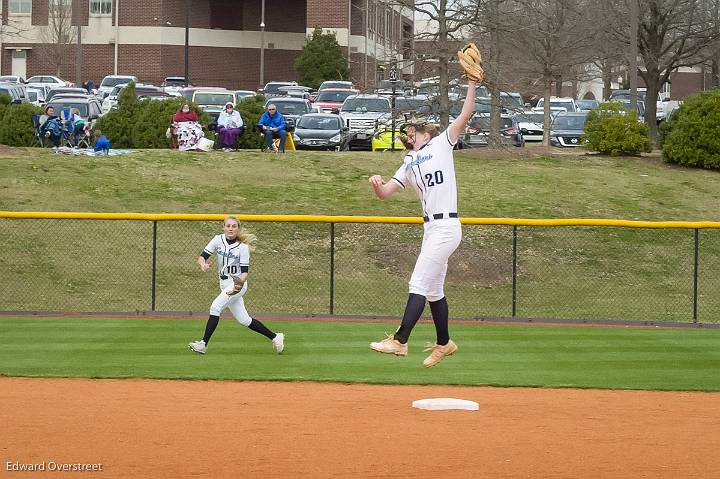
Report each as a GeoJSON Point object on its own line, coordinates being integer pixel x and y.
{"type": "Point", "coordinates": [457, 127]}
{"type": "Point", "coordinates": [383, 190]}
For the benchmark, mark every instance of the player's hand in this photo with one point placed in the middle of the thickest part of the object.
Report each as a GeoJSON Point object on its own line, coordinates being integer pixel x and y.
{"type": "Point", "coordinates": [204, 266]}
{"type": "Point", "coordinates": [376, 181]}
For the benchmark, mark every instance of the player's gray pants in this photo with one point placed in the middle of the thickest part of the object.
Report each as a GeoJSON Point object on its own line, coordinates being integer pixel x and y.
{"type": "Point", "coordinates": [440, 239]}
{"type": "Point", "coordinates": [234, 303]}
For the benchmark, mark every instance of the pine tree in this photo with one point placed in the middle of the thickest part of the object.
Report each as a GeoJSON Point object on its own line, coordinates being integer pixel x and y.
{"type": "Point", "coordinates": [321, 59]}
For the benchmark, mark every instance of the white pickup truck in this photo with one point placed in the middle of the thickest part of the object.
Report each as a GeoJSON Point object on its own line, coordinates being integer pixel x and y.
{"type": "Point", "coordinates": [362, 114]}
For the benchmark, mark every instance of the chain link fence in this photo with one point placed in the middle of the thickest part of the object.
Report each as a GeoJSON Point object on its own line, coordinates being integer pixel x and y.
{"type": "Point", "coordinates": [361, 269]}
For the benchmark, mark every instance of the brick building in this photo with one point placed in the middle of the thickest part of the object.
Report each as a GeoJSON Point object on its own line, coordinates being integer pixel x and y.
{"type": "Point", "coordinates": [225, 46]}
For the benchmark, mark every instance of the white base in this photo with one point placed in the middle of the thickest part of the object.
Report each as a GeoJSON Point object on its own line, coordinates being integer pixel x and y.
{"type": "Point", "coordinates": [441, 404]}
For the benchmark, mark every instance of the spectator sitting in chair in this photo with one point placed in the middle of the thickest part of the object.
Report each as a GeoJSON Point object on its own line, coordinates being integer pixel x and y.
{"type": "Point", "coordinates": [229, 127]}
{"type": "Point", "coordinates": [273, 126]}
{"type": "Point", "coordinates": [187, 129]}
{"type": "Point", "coordinates": [50, 125]}
{"type": "Point", "coordinates": [76, 125]}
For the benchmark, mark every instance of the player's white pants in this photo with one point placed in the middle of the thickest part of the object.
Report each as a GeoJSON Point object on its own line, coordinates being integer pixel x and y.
{"type": "Point", "coordinates": [440, 239]}
{"type": "Point", "coordinates": [234, 303]}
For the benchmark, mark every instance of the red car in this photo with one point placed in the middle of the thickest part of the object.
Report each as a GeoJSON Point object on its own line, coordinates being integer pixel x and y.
{"type": "Point", "coordinates": [331, 99]}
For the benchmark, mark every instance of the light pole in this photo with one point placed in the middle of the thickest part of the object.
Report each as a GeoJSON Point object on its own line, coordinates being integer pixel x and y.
{"type": "Point", "coordinates": [187, 42]}
{"type": "Point", "coordinates": [117, 36]}
{"type": "Point", "coordinates": [262, 44]}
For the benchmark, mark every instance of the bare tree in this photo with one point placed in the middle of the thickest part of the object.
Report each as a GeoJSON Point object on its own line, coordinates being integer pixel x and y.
{"type": "Point", "coordinates": [452, 20]}
{"type": "Point", "coordinates": [59, 33]}
{"type": "Point", "coordinates": [714, 59]}
{"type": "Point", "coordinates": [554, 38]}
{"type": "Point", "coordinates": [671, 34]}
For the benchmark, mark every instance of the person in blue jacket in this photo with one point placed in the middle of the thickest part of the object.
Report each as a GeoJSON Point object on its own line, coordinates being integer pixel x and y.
{"type": "Point", "coordinates": [273, 126]}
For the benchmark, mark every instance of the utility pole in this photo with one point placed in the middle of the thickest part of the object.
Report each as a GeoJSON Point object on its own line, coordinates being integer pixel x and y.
{"type": "Point", "coordinates": [78, 48]}
{"type": "Point", "coordinates": [187, 42]}
{"type": "Point", "coordinates": [262, 45]}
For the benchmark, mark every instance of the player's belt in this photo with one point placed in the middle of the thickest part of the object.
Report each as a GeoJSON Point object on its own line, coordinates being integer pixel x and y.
{"type": "Point", "coordinates": [439, 216]}
{"type": "Point", "coordinates": [222, 276]}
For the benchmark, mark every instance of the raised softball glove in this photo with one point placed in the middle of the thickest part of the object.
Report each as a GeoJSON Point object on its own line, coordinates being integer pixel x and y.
{"type": "Point", "coordinates": [471, 62]}
{"type": "Point", "coordinates": [238, 284]}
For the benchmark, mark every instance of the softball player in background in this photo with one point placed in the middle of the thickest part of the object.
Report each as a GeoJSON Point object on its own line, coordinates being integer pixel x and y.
{"type": "Point", "coordinates": [233, 259]}
{"type": "Point", "coordinates": [430, 170]}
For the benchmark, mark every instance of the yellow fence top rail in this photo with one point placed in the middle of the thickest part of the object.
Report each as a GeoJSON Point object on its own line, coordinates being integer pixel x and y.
{"type": "Point", "coordinates": [356, 219]}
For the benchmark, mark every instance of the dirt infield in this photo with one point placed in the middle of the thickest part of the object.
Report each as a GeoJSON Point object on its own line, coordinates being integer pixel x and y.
{"type": "Point", "coordinates": [142, 429]}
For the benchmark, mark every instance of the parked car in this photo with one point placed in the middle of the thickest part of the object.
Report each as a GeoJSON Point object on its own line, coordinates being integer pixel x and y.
{"type": "Point", "coordinates": [59, 91]}
{"type": "Point", "coordinates": [111, 101]}
{"type": "Point", "coordinates": [587, 105]}
{"type": "Point", "coordinates": [567, 129]}
{"type": "Point", "coordinates": [362, 114]}
{"type": "Point", "coordinates": [431, 90]}
{"type": "Point", "coordinates": [565, 103]}
{"type": "Point", "coordinates": [36, 96]}
{"type": "Point", "coordinates": [111, 81]}
{"type": "Point", "coordinates": [663, 106]}
{"type": "Point", "coordinates": [88, 107]}
{"type": "Point", "coordinates": [291, 108]}
{"type": "Point", "coordinates": [12, 79]}
{"type": "Point", "coordinates": [336, 85]}
{"type": "Point", "coordinates": [331, 99]}
{"type": "Point", "coordinates": [211, 100]}
{"type": "Point", "coordinates": [511, 102]}
{"type": "Point", "coordinates": [296, 91]}
{"type": "Point", "coordinates": [382, 140]}
{"type": "Point", "coordinates": [272, 88]}
{"type": "Point", "coordinates": [531, 125]}
{"type": "Point", "coordinates": [173, 85]}
{"type": "Point", "coordinates": [48, 80]}
{"type": "Point", "coordinates": [408, 104]}
{"type": "Point", "coordinates": [640, 109]}
{"type": "Point", "coordinates": [15, 91]}
{"type": "Point", "coordinates": [477, 132]}
{"type": "Point", "coordinates": [321, 131]}
{"type": "Point", "coordinates": [240, 95]}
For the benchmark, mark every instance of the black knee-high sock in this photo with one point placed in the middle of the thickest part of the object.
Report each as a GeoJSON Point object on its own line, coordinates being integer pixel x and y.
{"type": "Point", "coordinates": [259, 327]}
{"type": "Point", "coordinates": [212, 323]}
{"type": "Point", "coordinates": [439, 310]}
{"type": "Point", "coordinates": [413, 310]}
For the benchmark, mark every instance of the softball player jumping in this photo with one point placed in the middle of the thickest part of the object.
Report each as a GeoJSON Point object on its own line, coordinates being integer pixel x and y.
{"type": "Point", "coordinates": [430, 170]}
{"type": "Point", "coordinates": [233, 260]}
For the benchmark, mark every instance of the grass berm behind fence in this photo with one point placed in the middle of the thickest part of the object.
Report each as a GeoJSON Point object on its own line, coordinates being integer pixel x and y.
{"type": "Point", "coordinates": [601, 273]}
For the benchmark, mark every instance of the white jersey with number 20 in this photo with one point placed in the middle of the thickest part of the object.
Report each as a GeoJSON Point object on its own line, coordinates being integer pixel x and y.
{"type": "Point", "coordinates": [431, 171]}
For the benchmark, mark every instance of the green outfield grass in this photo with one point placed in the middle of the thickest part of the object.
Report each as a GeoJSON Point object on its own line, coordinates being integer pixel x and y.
{"type": "Point", "coordinates": [536, 356]}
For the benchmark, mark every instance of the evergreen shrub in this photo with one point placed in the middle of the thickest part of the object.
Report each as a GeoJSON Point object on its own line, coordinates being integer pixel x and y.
{"type": "Point", "coordinates": [612, 131]}
{"type": "Point", "coordinates": [692, 135]}
{"type": "Point", "coordinates": [143, 123]}
{"type": "Point", "coordinates": [251, 109]}
{"type": "Point", "coordinates": [16, 125]}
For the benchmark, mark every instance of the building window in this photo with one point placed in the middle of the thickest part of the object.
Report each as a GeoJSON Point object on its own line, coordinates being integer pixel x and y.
{"type": "Point", "coordinates": [19, 6]}
{"type": "Point", "coordinates": [100, 7]}
{"type": "Point", "coordinates": [60, 7]}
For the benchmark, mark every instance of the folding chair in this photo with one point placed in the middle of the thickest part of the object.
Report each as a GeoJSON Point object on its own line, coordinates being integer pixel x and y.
{"type": "Point", "coordinates": [36, 124]}
{"type": "Point", "coordinates": [83, 139]}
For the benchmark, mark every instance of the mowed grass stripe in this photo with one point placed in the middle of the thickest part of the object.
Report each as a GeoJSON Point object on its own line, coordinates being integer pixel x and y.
{"type": "Point", "coordinates": [495, 355]}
